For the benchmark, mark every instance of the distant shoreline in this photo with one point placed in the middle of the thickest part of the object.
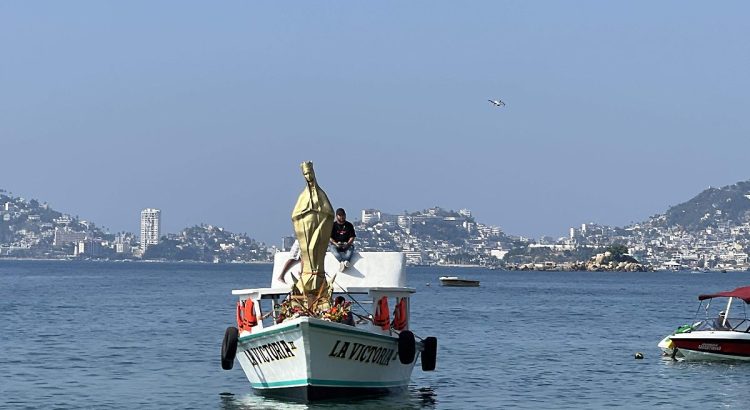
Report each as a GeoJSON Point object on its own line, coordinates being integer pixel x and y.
{"type": "Point", "coordinates": [457, 265]}
{"type": "Point", "coordinates": [133, 261]}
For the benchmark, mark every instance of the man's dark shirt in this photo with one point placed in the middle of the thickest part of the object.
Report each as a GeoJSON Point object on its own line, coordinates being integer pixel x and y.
{"type": "Point", "coordinates": [342, 232]}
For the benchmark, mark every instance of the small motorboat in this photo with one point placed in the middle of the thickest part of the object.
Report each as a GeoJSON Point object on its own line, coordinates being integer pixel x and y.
{"type": "Point", "coordinates": [715, 337]}
{"type": "Point", "coordinates": [456, 281]}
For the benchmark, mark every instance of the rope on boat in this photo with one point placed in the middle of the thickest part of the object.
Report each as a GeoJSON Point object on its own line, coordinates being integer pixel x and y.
{"type": "Point", "coordinates": [361, 318]}
{"type": "Point", "coordinates": [368, 318]}
{"type": "Point", "coordinates": [333, 282]}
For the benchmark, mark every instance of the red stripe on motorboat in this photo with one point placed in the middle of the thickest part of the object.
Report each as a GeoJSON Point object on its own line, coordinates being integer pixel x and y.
{"type": "Point", "coordinates": [717, 346]}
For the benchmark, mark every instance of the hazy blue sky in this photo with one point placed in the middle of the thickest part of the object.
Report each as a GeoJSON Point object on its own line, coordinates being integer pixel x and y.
{"type": "Point", "coordinates": [205, 109]}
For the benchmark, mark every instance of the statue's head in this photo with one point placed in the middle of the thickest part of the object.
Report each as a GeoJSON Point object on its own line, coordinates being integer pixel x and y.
{"type": "Point", "coordinates": [307, 171]}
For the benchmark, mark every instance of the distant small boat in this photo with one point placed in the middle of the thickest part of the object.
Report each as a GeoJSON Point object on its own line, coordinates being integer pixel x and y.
{"type": "Point", "coordinates": [456, 281]}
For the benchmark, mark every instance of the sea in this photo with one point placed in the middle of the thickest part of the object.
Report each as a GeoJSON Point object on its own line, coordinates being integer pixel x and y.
{"type": "Point", "coordinates": [128, 335]}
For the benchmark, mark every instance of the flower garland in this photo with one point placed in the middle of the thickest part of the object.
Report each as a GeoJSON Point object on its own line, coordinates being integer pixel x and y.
{"type": "Point", "coordinates": [288, 310]}
{"type": "Point", "coordinates": [338, 313]}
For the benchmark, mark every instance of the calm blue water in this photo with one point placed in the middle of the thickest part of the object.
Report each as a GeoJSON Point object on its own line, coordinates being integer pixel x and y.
{"type": "Point", "coordinates": [136, 335]}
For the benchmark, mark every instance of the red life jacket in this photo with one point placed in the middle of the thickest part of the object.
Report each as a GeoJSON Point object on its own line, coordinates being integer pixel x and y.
{"type": "Point", "coordinates": [246, 318]}
{"type": "Point", "coordinates": [400, 320]}
{"type": "Point", "coordinates": [382, 316]}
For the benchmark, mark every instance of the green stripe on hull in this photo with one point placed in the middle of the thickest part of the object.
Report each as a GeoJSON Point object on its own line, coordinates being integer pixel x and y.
{"type": "Point", "coordinates": [286, 383]}
{"type": "Point", "coordinates": [321, 382]}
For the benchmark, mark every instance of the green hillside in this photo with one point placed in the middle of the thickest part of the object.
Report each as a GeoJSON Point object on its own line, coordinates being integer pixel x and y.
{"type": "Point", "coordinates": [729, 204]}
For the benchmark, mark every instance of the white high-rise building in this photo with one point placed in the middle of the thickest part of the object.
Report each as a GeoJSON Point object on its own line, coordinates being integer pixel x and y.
{"type": "Point", "coordinates": [150, 227]}
{"type": "Point", "coordinates": [370, 216]}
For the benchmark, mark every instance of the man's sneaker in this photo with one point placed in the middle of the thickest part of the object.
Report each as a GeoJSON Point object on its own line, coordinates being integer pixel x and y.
{"type": "Point", "coordinates": [342, 266]}
{"type": "Point", "coordinates": [347, 264]}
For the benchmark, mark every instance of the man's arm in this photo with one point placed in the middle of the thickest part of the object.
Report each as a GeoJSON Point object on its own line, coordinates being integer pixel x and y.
{"type": "Point", "coordinates": [289, 263]}
{"type": "Point", "coordinates": [351, 238]}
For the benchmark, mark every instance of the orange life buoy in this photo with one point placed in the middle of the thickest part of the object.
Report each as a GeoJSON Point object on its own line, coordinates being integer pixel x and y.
{"type": "Point", "coordinates": [246, 317]}
{"type": "Point", "coordinates": [382, 316]}
{"type": "Point", "coordinates": [400, 319]}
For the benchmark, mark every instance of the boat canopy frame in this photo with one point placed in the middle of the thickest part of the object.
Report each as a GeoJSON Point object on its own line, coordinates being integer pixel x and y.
{"type": "Point", "coordinates": [742, 293]}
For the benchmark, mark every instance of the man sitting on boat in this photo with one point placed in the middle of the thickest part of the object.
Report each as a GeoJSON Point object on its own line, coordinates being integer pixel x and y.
{"type": "Point", "coordinates": [340, 303]}
{"type": "Point", "coordinates": [721, 322]}
{"type": "Point", "coordinates": [342, 240]}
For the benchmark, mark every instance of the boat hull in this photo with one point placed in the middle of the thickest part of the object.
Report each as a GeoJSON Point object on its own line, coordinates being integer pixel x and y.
{"type": "Point", "coordinates": [308, 359]}
{"type": "Point", "coordinates": [313, 393]}
{"type": "Point", "coordinates": [713, 345]}
{"type": "Point", "coordinates": [458, 282]}
{"type": "Point", "coordinates": [463, 283]}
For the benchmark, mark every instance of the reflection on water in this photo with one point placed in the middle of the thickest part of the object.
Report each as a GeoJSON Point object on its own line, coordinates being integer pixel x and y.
{"type": "Point", "coordinates": [249, 401]}
{"type": "Point", "coordinates": [427, 397]}
{"type": "Point", "coordinates": [415, 398]}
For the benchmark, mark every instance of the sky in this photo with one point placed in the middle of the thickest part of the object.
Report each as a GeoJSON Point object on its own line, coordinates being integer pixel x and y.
{"type": "Point", "coordinates": [615, 110]}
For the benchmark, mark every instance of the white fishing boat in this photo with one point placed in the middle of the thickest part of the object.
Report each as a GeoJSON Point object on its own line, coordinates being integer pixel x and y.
{"type": "Point", "coordinates": [324, 334]}
{"type": "Point", "coordinates": [456, 281]}
{"type": "Point", "coordinates": [715, 337]}
{"type": "Point", "coordinates": [312, 358]}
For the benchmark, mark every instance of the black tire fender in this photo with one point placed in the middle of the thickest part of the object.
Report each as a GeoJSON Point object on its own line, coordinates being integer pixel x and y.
{"type": "Point", "coordinates": [429, 354]}
{"type": "Point", "coordinates": [407, 347]}
{"type": "Point", "coordinates": [229, 347]}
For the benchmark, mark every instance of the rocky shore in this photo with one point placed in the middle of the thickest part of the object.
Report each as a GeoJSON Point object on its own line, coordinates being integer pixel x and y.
{"type": "Point", "coordinates": [602, 262]}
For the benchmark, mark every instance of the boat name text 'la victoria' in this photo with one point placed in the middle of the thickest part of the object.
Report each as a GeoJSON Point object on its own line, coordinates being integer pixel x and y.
{"type": "Point", "coordinates": [363, 353]}
{"type": "Point", "coordinates": [270, 352]}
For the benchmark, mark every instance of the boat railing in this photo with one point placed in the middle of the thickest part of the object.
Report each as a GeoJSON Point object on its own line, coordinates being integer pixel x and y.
{"type": "Point", "coordinates": [361, 302]}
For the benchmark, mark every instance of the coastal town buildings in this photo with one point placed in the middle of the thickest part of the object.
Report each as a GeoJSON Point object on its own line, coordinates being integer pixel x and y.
{"type": "Point", "coordinates": [122, 244]}
{"type": "Point", "coordinates": [64, 235]}
{"type": "Point", "coordinates": [715, 237]}
{"type": "Point", "coordinates": [287, 242]}
{"type": "Point", "coordinates": [29, 229]}
{"type": "Point", "coordinates": [432, 236]}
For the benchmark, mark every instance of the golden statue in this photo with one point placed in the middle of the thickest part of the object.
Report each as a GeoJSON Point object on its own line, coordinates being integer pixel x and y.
{"type": "Point", "coordinates": [313, 221]}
